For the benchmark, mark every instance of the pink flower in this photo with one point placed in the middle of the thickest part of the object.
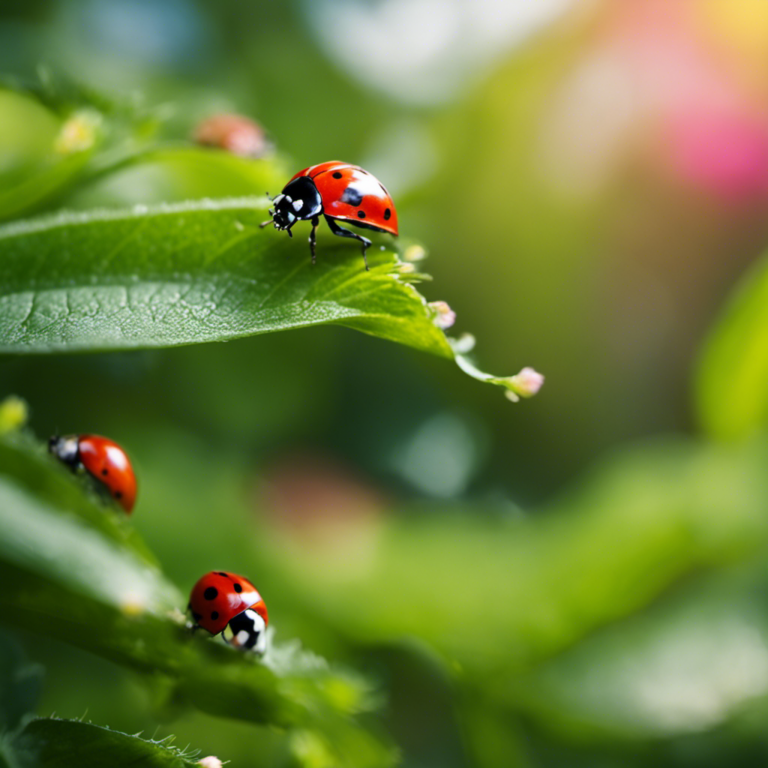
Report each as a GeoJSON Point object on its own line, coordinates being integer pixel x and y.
{"type": "Point", "coordinates": [722, 151]}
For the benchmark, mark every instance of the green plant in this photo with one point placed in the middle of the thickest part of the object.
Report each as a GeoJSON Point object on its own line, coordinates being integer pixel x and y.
{"type": "Point", "coordinates": [139, 274]}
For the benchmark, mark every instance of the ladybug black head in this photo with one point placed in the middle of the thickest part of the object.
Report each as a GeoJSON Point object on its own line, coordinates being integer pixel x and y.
{"type": "Point", "coordinates": [284, 212]}
{"type": "Point", "coordinates": [65, 449]}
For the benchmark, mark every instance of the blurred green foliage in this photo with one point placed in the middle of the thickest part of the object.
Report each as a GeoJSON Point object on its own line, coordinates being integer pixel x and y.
{"type": "Point", "coordinates": [732, 377]}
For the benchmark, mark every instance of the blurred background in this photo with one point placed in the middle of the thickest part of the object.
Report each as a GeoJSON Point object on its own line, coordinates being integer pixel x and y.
{"type": "Point", "coordinates": [590, 180]}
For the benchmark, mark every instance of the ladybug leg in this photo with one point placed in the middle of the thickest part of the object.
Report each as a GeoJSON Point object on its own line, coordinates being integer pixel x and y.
{"type": "Point", "coordinates": [271, 213]}
{"type": "Point", "coordinates": [341, 232]}
{"type": "Point", "coordinates": [313, 237]}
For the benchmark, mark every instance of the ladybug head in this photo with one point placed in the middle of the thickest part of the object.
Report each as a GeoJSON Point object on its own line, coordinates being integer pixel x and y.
{"type": "Point", "coordinates": [284, 212]}
{"type": "Point", "coordinates": [65, 449]}
{"type": "Point", "coordinates": [247, 631]}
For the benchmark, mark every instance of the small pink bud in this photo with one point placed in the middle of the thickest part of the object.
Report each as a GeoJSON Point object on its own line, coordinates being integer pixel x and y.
{"type": "Point", "coordinates": [210, 762]}
{"type": "Point", "coordinates": [525, 384]}
{"type": "Point", "coordinates": [445, 317]}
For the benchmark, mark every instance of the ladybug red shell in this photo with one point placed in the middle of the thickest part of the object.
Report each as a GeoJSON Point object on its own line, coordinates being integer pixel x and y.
{"type": "Point", "coordinates": [103, 459]}
{"type": "Point", "coordinates": [225, 602]}
{"type": "Point", "coordinates": [339, 192]}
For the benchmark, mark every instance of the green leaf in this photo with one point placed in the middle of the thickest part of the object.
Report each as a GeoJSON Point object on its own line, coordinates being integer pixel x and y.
{"type": "Point", "coordinates": [688, 665]}
{"type": "Point", "coordinates": [56, 743]}
{"type": "Point", "coordinates": [186, 273]}
{"type": "Point", "coordinates": [174, 174]}
{"type": "Point", "coordinates": [20, 684]}
{"type": "Point", "coordinates": [31, 168]}
{"type": "Point", "coordinates": [45, 184]}
{"type": "Point", "coordinates": [732, 377]}
{"type": "Point", "coordinates": [69, 572]}
{"type": "Point", "coordinates": [195, 272]}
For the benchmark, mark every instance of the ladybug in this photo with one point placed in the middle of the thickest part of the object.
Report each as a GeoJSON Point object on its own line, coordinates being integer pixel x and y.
{"type": "Point", "coordinates": [340, 192]}
{"type": "Point", "coordinates": [233, 133]}
{"type": "Point", "coordinates": [101, 458]}
{"type": "Point", "coordinates": [228, 603]}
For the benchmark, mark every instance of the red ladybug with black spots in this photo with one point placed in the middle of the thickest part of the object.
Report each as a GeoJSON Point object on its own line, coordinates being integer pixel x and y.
{"type": "Point", "coordinates": [227, 603]}
{"type": "Point", "coordinates": [103, 460]}
{"type": "Point", "coordinates": [339, 192]}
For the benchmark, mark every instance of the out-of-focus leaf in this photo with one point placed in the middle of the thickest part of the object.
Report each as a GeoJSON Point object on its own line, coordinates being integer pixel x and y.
{"type": "Point", "coordinates": [20, 684]}
{"type": "Point", "coordinates": [732, 377]}
{"type": "Point", "coordinates": [686, 666]}
{"type": "Point", "coordinates": [70, 578]}
{"type": "Point", "coordinates": [498, 594]}
{"type": "Point", "coordinates": [176, 174]}
{"type": "Point", "coordinates": [55, 743]}
{"type": "Point", "coordinates": [31, 168]}
{"type": "Point", "coordinates": [19, 199]}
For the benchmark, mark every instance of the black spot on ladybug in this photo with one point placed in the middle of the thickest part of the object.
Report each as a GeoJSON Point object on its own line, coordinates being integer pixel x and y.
{"type": "Point", "coordinates": [197, 616]}
{"type": "Point", "coordinates": [118, 494]}
{"type": "Point", "coordinates": [361, 214]}
{"type": "Point", "coordinates": [221, 573]}
{"type": "Point", "coordinates": [352, 196]}
{"type": "Point", "coordinates": [214, 615]}
{"type": "Point", "coordinates": [238, 588]}
{"type": "Point", "coordinates": [336, 175]}
{"type": "Point", "coordinates": [105, 472]}
{"type": "Point", "coordinates": [387, 214]}
{"type": "Point", "coordinates": [211, 593]}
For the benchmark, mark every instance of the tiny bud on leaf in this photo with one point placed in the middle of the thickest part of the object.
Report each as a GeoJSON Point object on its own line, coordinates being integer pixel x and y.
{"type": "Point", "coordinates": [526, 383]}
{"type": "Point", "coordinates": [445, 317]}
{"type": "Point", "coordinates": [210, 762]}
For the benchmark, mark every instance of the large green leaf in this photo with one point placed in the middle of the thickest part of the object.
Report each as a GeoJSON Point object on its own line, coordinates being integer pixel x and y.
{"type": "Point", "coordinates": [187, 273]}
{"type": "Point", "coordinates": [732, 377]}
{"type": "Point", "coordinates": [69, 576]}
{"type": "Point", "coordinates": [55, 743]}
{"type": "Point", "coordinates": [196, 272]}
